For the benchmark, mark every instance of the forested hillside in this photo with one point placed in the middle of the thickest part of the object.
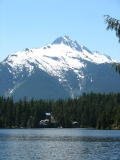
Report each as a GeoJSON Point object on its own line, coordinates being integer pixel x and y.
{"type": "Point", "coordinates": [101, 111]}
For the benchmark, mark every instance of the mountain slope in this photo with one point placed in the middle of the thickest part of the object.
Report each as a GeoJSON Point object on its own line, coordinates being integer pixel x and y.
{"type": "Point", "coordinates": [59, 70]}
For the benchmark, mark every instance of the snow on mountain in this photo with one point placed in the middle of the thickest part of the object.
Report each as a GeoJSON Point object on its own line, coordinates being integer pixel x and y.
{"type": "Point", "coordinates": [61, 59]}
{"type": "Point", "coordinates": [62, 54]}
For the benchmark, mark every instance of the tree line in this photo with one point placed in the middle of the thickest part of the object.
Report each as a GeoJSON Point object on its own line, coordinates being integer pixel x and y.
{"type": "Point", "coordinates": [101, 111]}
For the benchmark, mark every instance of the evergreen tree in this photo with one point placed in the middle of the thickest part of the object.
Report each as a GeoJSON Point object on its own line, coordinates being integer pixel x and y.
{"type": "Point", "coordinates": [100, 111]}
{"type": "Point", "coordinates": [114, 24]}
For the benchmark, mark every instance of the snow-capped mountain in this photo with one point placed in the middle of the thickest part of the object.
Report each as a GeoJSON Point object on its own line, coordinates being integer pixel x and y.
{"type": "Point", "coordinates": [59, 70]}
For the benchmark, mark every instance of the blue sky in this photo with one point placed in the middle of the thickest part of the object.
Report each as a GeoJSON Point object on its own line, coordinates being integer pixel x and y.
{"type": "Point", "coordinates": [35, 23]}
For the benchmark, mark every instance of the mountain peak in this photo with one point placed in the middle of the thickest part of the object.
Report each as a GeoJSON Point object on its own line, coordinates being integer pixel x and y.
{"type": "Point", "coordinates": [67, 41]}
{"type": "Point", "coordinates": [64, 40]}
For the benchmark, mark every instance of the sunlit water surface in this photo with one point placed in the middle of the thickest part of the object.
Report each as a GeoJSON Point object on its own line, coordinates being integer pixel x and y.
{"type": "Point", "coordinates": [59, 144]}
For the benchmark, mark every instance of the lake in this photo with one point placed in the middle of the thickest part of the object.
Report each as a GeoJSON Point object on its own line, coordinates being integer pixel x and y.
{"type": "Point", "coordinates": [59, 144]}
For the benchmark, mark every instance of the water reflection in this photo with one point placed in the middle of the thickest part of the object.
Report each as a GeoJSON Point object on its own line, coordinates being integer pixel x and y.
{"type": "Point", "coordinates": [59, 144]}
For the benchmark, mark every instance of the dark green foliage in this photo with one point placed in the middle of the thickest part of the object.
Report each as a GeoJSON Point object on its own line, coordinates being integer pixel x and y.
{"type": "Point", "coordinates": [100, 111]}
{"type": "Point", "coordinates": [114, 24]}
{"type": "Point", "coordinates": [117, 67]}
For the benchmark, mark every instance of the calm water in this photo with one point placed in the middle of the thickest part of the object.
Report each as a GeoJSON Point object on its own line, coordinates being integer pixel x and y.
{"type": "Point", "coordinates": [59, 144]}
